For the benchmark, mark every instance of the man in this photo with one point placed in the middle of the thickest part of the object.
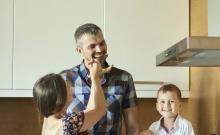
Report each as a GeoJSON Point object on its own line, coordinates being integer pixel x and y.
{"type": "Point", "coordinates": [118, 85]}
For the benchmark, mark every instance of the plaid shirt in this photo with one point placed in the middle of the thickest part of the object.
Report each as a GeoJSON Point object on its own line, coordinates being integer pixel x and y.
{"type": "Point", "coordinates": [119, 91]}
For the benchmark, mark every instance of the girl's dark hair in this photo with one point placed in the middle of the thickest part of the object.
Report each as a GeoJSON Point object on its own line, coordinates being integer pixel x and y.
{"type": "Point", "coordinates": [171, 88]}
{"type": "Point", "coordinates": [50, 94]}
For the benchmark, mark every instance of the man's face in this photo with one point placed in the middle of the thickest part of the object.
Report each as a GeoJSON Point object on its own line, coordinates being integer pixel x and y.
{"type": "Point", "coordinates": [92, 47]}
{"type": "Point", "coordinates": [168, 104]}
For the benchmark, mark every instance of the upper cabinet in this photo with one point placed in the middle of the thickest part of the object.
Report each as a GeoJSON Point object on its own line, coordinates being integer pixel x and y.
{"type": "Point", "coordinates": [136, 31]}
{"type": "Point", "coordinates": [44, 36]}
{"type": "Point", "coordinates": [6, 44]}
{"type": "Point", "coordinates": [38, 38]}
{"type": "Point", "coordinates": [213, 18]}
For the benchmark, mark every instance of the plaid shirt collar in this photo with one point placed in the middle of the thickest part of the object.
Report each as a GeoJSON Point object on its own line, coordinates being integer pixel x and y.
{"type": "Point", "coordinates": [84, 73]}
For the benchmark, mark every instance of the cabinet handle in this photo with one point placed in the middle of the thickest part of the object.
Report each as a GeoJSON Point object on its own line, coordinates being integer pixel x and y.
{"type": "Point", "coordinates": [149, 82]}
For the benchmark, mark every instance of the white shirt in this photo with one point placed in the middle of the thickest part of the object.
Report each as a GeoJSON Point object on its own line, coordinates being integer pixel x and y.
{"type": "Point", "coordinates": [181, 127]}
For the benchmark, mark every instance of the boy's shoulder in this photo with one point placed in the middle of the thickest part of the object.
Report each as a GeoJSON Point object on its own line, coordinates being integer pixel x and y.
{"type": "Point", "coordinates": [180, 121]}
{"type": "Point", "coordinates": [155, 125]}
{"type": "Point", "coordinates": [183, 121]}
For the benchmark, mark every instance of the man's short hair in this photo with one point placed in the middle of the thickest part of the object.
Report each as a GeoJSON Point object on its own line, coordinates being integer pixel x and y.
{"type": "Point", "coordinates": [87, 28]}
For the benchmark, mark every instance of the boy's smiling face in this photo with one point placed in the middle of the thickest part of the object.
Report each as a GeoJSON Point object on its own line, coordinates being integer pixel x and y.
{"type": "Point", "coordinates": [168, 104]}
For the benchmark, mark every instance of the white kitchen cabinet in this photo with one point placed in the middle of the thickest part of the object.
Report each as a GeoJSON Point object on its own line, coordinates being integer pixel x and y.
{"type": "Point", "coordinates": [44, 36]}
{"type": "Point", "coordinates": [213, 18]}
{"type": "Point", "coordinates": [6, 44]}
{"type": "Point", "coordinates": [138, 30]}
{"type": "Point", "coordinates": [39, 39]}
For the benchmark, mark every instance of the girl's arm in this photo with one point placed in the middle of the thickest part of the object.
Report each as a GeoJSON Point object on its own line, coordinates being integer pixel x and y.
{"type": "Point", "coordinates": [96, 107]}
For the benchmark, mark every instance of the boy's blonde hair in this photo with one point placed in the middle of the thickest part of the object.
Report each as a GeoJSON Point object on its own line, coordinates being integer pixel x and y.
{"type": "Point", "coordinates": [170, 88]}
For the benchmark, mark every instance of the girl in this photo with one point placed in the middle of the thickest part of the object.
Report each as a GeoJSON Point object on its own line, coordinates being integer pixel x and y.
{"type": "Point", "coordinates": [52, 96]}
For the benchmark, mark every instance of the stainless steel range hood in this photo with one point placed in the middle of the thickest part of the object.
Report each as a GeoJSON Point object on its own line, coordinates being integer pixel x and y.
{"type": "Point", "coordinates": [193, 52]}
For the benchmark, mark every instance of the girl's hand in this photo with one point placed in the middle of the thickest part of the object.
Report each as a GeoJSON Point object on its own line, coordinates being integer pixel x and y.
{"type": "Point", "coordinates": [96, 69]}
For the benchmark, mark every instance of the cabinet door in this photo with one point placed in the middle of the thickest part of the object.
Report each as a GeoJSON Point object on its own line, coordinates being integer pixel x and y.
{"type": "Point", "coordinates": [136, 31]}
{"type": "Point", "coordinates": [213, 18]}
{"type": "Point", "coordinates": [44, 36]}
{"type": "Point", "coordinates": [6, 44]}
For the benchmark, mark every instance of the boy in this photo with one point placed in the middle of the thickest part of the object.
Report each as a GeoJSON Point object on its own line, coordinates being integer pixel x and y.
{"type": "Point", "coordinates": [168, 105]}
